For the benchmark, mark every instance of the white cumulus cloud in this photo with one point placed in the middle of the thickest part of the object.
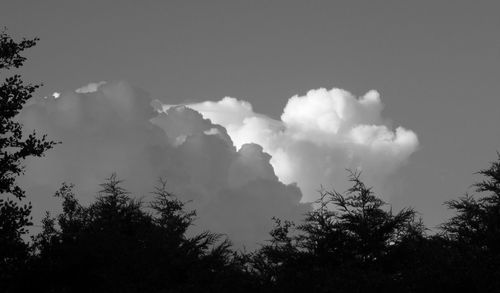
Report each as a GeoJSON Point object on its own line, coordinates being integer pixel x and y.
{"type": "Point", "coordinates": [318, 136]}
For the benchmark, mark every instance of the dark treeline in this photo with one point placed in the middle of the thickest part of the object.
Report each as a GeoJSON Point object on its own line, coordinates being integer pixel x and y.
{"type": "Point", "coordinates": [351, 242]}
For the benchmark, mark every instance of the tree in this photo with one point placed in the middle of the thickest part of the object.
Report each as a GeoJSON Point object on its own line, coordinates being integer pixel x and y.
{"type": "Point", "coordinates": [14, 148]}
{"type": "Point", "coordinates": [474, 231]}
{"type": "Point", "coordinates": [477, 222]}
{"type": "Point", "coordinates": [345, 243]}
{"type": "Point", "coordinates": [114, 245]}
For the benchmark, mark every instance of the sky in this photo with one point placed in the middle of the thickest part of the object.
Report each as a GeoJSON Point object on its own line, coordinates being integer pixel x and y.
{"type": "Point", "coordinates": [429, 67]}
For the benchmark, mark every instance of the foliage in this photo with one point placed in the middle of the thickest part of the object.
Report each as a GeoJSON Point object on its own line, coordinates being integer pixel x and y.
{"type": "Point", "coordinates": [342, 244]}
{"type": "Point", "coordinates": [14, 148]}
{"type": "Point", "coordinates": [474, 231]}
{"type": "Point", "coordinates": [477, 220]}
{"type": "Point", "coordinates": [13, 96]}
{"type": "Point", "coordinates": [114, 245]}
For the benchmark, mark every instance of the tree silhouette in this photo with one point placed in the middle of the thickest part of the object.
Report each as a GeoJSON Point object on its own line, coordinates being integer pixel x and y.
{"type": "Point", "coordinates": [477, 222]}
{"type": "Point", "coordinates": [14, 148]}
{"type": "Point", "coordinates": [474, 232]}
{"type": "Point", "coordinates": [464, 255]}
{"type": "Point", "coordinates": [114, 245]}
{"type": "Point", "coordinates": [341, 245]}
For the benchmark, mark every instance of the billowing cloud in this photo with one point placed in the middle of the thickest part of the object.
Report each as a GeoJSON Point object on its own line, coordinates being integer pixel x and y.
{"type": "Point", "coordinates": [116, 129]}
{"type": "Point", "coordinates": [318, 136]}
{"type": "Point", "coordinates": [238, 167]}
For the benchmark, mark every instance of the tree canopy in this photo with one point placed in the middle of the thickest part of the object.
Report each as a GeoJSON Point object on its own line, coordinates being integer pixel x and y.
{"type": "Point", "coordinates": [15, 146]}
{"type": "Point", "coordinates": [116, 245]}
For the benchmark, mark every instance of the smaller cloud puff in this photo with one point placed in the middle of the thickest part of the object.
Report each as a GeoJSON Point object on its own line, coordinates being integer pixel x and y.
{"type": "Point", "coordinates": [90, 88]}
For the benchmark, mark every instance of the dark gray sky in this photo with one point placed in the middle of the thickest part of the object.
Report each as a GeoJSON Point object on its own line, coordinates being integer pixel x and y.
{"type": "Point", "coordinates": [435, 63]}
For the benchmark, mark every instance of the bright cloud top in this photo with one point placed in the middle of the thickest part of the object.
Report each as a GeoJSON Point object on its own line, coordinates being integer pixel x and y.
{"type": "Point", "coordinates": [319, 135]}
{"type": "Point", "coordinates": [89, 88]}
